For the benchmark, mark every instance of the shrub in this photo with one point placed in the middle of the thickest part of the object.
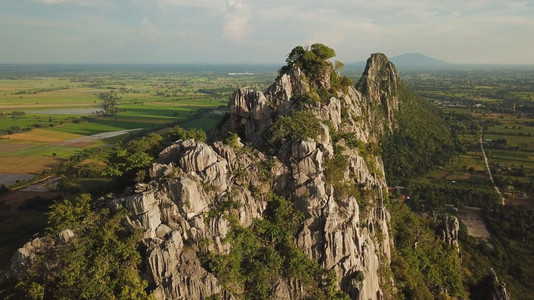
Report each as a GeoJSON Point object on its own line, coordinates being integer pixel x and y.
{"type": "Point", "coordinates": [232, 139]}
{"type": "Point", "coordinates": [179, 133]}
{"type": "Point", "coordinates": [302, 125]}
{"type": "Point", "coordinates": [265, 252]}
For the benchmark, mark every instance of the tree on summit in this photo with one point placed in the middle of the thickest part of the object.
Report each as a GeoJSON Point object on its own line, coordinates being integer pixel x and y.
{"type": "Point", "coordinates": [314, 61]}
{"type": "Point", "coordinates": [309, 59]}
{"type": "Point", "coordinates": [322, 52]}
{"type": "Point", "coordinates": [317, 53]}
{"type": "Point", "coordinates": [295, 55]}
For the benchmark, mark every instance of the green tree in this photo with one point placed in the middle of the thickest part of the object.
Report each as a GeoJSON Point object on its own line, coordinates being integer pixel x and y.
{"type": "Point", "coordinates": [295, 55]}
{"type": "Point", "coordinates": [179, 133]}
{"type": "Point", "coordinates": [14, 129]}
{"type": "Point", "coordinates": [301, 125]}
{"type": "Point", "coordinates": [125, 161]}
{"type": "Point", "coordinates": [99, 262]}
{"type": "Point", "coordinates": [338, 65]}
{"type": "Point", "coordinates": [322, 52]}
{"type": "Point", "coordinates": [109, 104]}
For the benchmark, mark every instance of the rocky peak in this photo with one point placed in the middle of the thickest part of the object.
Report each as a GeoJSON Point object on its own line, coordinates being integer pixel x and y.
{"type": "Point", "coordinates": [340, 230]}
{"type": "Point", "coordinates": [301, 118]}
{"type": "Point", "coordinates": [380, 83]}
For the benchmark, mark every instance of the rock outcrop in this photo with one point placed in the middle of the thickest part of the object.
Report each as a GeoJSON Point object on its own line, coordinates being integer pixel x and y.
{"type": "Point", "coordinates": [179, 207]}
{"type": "Point", "coordinates": [24, 257]}
{"type": "Point", "coordinates": [380, 85]}
{"type": "Point", "coordinates": [497, 288]}
{"type": "Point", "coordinates": [448, 229]}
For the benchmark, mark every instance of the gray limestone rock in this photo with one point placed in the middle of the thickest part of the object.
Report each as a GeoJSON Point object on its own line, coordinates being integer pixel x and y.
{"type": "Point", "coordinates": [189, 179]}
{"type": "Point", "coordinates": [448, 229]}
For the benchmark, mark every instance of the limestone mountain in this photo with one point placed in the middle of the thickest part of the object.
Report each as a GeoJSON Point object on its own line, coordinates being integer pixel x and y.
{"type": "Point", "coordinates": [287, 202]}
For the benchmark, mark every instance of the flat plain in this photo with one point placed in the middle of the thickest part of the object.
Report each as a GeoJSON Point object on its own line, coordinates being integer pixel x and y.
{"type": "Point", "coordinates": [40, 111]}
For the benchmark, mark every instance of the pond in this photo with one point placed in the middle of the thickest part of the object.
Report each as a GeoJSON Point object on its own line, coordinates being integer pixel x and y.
{"type": "Point", "coordinates": [8, 179]}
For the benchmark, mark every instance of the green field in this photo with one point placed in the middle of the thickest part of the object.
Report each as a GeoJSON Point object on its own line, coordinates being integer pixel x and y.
{"type": "Point", "coordinates": [497, 103]}
{"type": "Point", "coordinates": [38, 110]}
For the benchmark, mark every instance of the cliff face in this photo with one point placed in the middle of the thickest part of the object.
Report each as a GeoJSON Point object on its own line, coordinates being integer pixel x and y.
{"type": "Point", "coordinates": [179, 208]}
{"type": "Point", "coordinates": [379, 84]}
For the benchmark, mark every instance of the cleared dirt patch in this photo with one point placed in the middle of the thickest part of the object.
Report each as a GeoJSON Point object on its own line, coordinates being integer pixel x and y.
{"type": "Point", "coordinates": [476, 228]}
{"type": "Point", "coordinates": [42, 186]}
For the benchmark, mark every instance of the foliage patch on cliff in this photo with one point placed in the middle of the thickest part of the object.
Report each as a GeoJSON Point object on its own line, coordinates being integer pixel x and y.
{"type": "Point", "coordinates": [265, 252]}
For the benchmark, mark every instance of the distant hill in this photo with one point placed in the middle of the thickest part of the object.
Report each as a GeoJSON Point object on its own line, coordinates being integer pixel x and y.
{"type": "Point", "coordinates": [417, 60]}
{"type": "Point", "coordinates": [406, 61]}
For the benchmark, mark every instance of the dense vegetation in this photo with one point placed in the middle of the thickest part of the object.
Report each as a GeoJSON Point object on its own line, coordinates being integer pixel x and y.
{"type": "Point", "coordinates": [301, 125]}
{"type": "Point", "coordinates": [265, 252]}
{"type": "Point", "coordinates": [421, 141]}
{"type": "Point", "coordinates": [511, 253]}
{"type": "Point", "coordinates": [497, 105]}
{"type": "Point", "coordinates": [99, 261]}
{"type": "Point", "coordinates": [424, 267]}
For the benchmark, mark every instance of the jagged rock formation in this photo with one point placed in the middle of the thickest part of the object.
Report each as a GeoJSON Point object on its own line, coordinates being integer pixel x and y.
{"type": "Point", "coordinates": [379, 84]}
{"type": "Point", "coordinates": [179, 208]}
{"type": "Point", "coordinates": [448, 229]}
{"type": "Point", "coordinates": [497, 288]}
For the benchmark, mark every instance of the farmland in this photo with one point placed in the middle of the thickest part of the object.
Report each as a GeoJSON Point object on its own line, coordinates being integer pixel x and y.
{"type": "Point", "coordinates": [51, 122]}
{"type": "Point", "coordinates": [496, 104]}
{"type": "Point", "coordinates": [43, 108]}
{"type": "Point", "coordinates": [493, 106]}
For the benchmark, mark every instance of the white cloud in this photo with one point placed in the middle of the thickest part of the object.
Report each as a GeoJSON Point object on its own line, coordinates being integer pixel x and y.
{"type": "Point", "coordinates": [49, 2]}
{"type": "Point", "coordinates": [84, 3]}
{"type": "Point", "coordinates": [236, 21]}
{"type": "Point", "coordinates": [266, 30]}
{"type": "Point", "coordinates": [216, 6]}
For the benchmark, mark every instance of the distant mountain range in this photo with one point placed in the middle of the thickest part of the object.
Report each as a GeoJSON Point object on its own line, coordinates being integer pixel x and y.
{"type": "Point", "coordinates": [416, 60]}
{"type": "Point", "coordinates": [410, 60]}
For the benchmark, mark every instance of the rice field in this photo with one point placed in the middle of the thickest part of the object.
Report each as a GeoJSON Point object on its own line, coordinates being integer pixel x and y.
{"type": "Point", "coordinates": [40, 111]}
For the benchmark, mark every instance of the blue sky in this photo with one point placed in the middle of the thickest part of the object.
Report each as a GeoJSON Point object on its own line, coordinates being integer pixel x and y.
{"type": "Point", "coordinates": [261, 31]}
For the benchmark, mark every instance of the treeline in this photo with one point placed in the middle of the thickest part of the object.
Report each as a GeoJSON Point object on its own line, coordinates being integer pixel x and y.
{"type": "Point", "coordinates": [426, 195]}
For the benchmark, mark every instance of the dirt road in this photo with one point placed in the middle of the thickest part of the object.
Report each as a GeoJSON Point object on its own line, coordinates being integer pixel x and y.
{"type": "Point", "coordinates": [489, 170]}
{"type": "Point", "coordinates": [94, 137]}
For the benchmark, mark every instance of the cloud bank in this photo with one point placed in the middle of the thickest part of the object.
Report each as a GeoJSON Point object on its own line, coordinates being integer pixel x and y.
{"type": "Point", "coordinates": [174, 31]}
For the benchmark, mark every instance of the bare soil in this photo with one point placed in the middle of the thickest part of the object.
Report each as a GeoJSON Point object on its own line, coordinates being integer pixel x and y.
{"type": "Point", "coordinates": [476, 228]}
{"type": "Point", "coordinates": [13, 147]}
